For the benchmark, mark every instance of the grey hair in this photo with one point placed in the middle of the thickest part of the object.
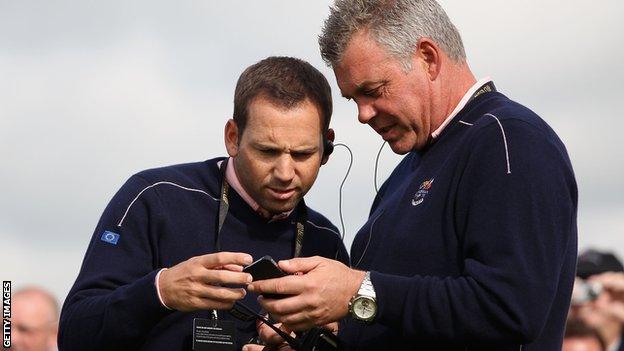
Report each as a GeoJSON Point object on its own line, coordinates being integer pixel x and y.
{"type": "Point", "coordinates": [397, 25]}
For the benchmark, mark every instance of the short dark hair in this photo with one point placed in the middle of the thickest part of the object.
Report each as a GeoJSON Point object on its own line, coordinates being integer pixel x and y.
{"type": "Point", "coordinates": [575, 328]}
{"type": "Point", "coordinates": [591, 262]}
{"type": "Point", "coordinates": [286, 82]}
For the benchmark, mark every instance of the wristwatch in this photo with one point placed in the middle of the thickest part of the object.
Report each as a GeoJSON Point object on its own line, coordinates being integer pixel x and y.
{"type": "Point", "coordinates": [363, 306]}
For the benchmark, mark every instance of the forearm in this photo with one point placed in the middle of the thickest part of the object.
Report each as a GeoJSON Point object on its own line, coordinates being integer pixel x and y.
{"type": "Point", "coordinates": [101, 319]}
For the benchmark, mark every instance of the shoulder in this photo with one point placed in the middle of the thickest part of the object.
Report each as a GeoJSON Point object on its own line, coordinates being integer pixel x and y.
{"type": "Point", "coordinates": [510, 144]}
{"type": "Point", "coordinates": [506, 128]}
{"type": "Point", "coordinates": [197, 176]}
{"type": "Point", "coordinates": [157, 184]}
{"type": "Point", "coordinates": [321, 224]}
{"type": "Point", "coordinates": [188, 172]}
{"type": "Point", "coordinates": [502, 112]}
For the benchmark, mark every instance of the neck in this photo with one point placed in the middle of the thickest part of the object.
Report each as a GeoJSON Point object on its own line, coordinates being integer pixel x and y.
{"type": "Point", "coordinates": [455, 81]}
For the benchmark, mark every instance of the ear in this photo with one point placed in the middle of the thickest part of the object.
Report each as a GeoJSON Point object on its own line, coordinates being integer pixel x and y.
{"type": "Point", "coordinates": [230, 137]}
{"type": "Point", "coordinates": [330, 136]}
{"type": "Point", "coordinates": [429, 56]}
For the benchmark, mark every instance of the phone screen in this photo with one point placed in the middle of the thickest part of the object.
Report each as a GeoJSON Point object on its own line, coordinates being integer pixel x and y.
{"type": "Point", "coordinates": [265, 268]}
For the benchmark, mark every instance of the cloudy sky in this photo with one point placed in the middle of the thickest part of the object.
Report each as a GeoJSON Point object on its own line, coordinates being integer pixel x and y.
{"type": "Point", "coordinates": [94, 91]}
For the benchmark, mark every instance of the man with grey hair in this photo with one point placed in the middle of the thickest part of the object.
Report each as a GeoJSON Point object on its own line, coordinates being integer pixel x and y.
{"type": "Point", "coordinates": [34, 320]}
{"type": "Point", "coordinates": [471, 242]}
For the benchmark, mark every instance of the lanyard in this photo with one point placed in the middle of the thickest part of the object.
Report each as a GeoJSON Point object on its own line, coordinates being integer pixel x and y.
{"type": "Point", "coordinates": [224, 206]}
{"type": "Point", "coordinates": [485, 88]}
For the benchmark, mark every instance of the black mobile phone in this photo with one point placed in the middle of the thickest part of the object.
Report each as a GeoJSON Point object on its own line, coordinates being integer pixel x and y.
{"type": "Point", "coordinates": [265, 268]}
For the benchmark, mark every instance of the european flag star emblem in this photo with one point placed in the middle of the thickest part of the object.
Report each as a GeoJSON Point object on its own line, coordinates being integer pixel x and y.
{"type": "Point", "coordinates": [110, 237]}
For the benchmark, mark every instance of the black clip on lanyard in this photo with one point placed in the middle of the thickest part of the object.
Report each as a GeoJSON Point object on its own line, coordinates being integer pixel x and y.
{"type": "Point", "coordinates": [485, 88]}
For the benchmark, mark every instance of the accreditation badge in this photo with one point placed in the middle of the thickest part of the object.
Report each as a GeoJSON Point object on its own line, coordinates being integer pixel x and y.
{"type": "Point", "coordinates": [213, 335]}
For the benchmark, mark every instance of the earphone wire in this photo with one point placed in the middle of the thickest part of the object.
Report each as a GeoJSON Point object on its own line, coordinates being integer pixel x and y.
{"type": "Point", "coordinates": [342, 234]}
{"type": "Point", "coordinates": [377, 166]}
{"type": "Point", "coordinates": [370, 231]}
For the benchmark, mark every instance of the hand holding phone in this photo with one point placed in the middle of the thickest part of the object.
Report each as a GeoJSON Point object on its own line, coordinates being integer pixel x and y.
{"type": "Point", "coordinates": [265, 268]}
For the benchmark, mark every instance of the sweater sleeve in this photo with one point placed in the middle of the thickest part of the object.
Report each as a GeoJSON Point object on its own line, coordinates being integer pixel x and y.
{"type": "Point", "coordinates": [515, 217]}
{"type": "Point", "coordinates": [114, 304]}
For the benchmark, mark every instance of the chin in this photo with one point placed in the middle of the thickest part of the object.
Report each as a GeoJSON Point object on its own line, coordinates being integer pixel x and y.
{"type": "Point", "coordinates": [277, 208]}
{"type": "Point", "coordinates": [399, 148]}
{"type": "Point", "coordinates": [407, 144]}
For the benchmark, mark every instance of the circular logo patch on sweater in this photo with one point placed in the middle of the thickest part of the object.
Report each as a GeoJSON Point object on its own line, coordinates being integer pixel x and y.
{"type": "Point", "coordinates": [423, 190]}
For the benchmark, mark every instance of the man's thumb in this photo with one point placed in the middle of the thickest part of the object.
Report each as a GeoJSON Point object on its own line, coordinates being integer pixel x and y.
{"type": "Point", "coordinates": [302, 264]}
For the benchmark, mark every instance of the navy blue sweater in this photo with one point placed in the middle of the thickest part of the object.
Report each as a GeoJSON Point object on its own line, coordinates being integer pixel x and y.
{"type": "Point", "coordinates": [113, 304]}
{"type": "Point", "coordinates": [472, 241]}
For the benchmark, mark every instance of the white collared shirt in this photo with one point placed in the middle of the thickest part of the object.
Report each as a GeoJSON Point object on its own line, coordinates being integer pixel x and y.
{"type": "Point", "coordinates": [462, 103]}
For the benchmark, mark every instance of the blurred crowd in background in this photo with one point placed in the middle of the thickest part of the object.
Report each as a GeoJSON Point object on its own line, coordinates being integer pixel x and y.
{"type": "Point", "coordinates": [596, 318]}
{"type": "Point", "coordinates": [595, 321]}
{"type": "Point", "coordinates": [34, 320]}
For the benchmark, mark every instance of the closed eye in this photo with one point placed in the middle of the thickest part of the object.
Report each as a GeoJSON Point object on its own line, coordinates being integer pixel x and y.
{"type": "Point", "coordinates": [269, 152]}
{"type": "Point", "coordinates": [372, 92]}
{"type": "Point", "coordinates": [301, 155]}
{"type": "Point", "coordinates": [373, 89]}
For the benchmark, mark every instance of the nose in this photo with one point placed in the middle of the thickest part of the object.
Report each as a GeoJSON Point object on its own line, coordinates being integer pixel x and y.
{"type": "Point", "coordinates": [366, 111]}
{"type": "Point", "coordinates": [284, 169]}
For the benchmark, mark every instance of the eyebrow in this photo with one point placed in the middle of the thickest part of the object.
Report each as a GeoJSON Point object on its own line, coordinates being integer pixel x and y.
{"type": "Point", "coordinates": [305, 148]}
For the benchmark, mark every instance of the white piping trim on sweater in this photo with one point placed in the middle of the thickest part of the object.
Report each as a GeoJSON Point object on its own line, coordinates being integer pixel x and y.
{"type": "Point", "coordinates": [504, 140]}
{"type": "Point", "coordinates": [326, 228]}
{"type": "Point", "coordinates": [160, 183]}
{"type": "Point", "coordinates": [466, 123]}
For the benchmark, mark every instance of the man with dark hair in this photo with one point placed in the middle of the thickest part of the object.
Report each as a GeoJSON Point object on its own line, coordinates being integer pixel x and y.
{"type": "Point", "coordinates": [580, 337]}
{"type": "Point", "coordinates": [171, 244]}
{"type": "Point", "coordinates": [274, 78]}
{"type": "Point", "coordinates": [471, 242]}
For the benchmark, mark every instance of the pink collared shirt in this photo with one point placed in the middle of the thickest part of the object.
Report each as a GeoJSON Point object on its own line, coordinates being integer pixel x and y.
{"type": "Point", "coordinates": [232, 179]}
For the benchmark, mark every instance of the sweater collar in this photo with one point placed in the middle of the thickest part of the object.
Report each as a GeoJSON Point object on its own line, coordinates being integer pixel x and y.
{"type": "Point", "coordinates": [462, 103]}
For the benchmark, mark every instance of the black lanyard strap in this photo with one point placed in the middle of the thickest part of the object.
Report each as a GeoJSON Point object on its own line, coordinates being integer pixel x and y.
{"type": "Point", "coordinates": [224, 204]}
{"type": "Point", "coordinates": [485, 88]}
{"type": "Point", "coordinates": [224, 207]}
{"type": "Point", "coordinates": [299, 239]}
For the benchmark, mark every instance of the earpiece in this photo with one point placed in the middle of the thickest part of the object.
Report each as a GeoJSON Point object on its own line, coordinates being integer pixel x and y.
{"type": "Point", "coordinates": [328, 147]}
